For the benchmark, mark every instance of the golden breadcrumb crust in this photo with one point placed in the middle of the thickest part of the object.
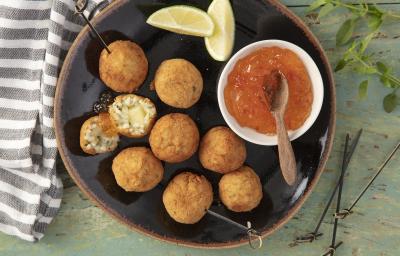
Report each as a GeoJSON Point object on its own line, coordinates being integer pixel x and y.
{"type": "Point", "coordinates": [125, 68]}
{"type": "Point", "coordinates": [137, 169]}
{"type": "Point", "coordinates": [187, 197]}
{"type": "Point", "coordinates": [178, 83]}
{"type": "Point", "coordinates": [240, 190]}
{"type": "Point", "coordinates": [221, 150]}
{"type": "Point", "coordinates": [174, 138]}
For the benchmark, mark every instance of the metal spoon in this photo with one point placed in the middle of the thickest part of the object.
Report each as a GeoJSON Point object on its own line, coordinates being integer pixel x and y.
{"type": "Point", "coordinates": [279, 101]}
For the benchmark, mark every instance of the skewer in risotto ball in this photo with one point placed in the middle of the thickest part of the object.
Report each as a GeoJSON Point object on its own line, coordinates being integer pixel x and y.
{"type": "Point", "coordinates": [221, 150]}
{"type": "Point", "coordinates": [187, 197]}
{"type": "Point", "coordinates": [125, 68]}
{"type": "Point", "coordinates": [132, 115]}
{"type": "Point", "coordinates": [137, 169]}
{"type": "Point", "coordinates": [178, 83]}
{"type": "Point", "coordinates": [240, 190]}
{"type": "Point", "coordinates": [98, 135]}
{"type": "Point", "coordinates": [174, 138]}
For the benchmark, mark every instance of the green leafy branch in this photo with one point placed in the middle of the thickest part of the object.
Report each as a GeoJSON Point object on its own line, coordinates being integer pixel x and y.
{"type": "Point", "coordinates": [355, 55]}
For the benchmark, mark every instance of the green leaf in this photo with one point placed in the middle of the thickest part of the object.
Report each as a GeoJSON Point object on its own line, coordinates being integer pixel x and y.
{"type": "Point", "coordinates": [325, 10]}
{"type": "Point", "coordinates": [385, 81]}
{"type": "Point", "coordinates": [385, 76]}
{"type": "Point", "coordinates": [340, 65]}
{"type": "Point", "coordinates": [363, 90]}
{"type": "Point", "coordinates": [364, 10]}
{"type": "Point", "coordinates": [394, 84]}
{"type": "Point", "coordinates": [365, 58]}
{"type": "Point", "coordinates": [345, 32]}
{"type": "Point", "coordinates": [374, 22]}
{"type": "Point", "coordinates": [367, 70]}
{"type": "Point", "coordinates": [359, 12]}
{"type": "Point", "coordinates": [382, 67]}
{"type": "Point", "coordinates": [375, 17]}
{"type": "Point", "coordinates": [375, 10]}
{"type": "Point", "coordinates": [315, 5]}
{"type": "Point", "coordinates": [390, 102]}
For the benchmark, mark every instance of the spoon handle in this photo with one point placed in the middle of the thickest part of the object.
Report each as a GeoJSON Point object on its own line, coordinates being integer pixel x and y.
{"type": "Point", "coordinates": [287, 160]}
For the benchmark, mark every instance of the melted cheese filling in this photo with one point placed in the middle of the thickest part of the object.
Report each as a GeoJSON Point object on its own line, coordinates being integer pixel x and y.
{"type": "Point", "coordinates": [134, 114]}
{"type": "Point", "coordinates": [98, 141]}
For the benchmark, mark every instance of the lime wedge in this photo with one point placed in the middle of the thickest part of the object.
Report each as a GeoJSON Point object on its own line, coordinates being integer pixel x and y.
{"type": "Point", "coordinates": [183, 19]}
{"type": "Point", "coordinates": [220, 44]}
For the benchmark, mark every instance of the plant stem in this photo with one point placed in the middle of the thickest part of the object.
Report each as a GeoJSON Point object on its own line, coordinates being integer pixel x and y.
{"type": "Point", "coordinates": [390, 14]}
{"type": "Point", "coordinates": [349, 6]}
{"type": "Point", "coordinates": [354, 7]}
{"type": "Point", "coordinates": [390, 77]}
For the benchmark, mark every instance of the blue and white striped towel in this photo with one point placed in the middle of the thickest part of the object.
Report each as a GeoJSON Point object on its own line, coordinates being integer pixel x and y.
{"type": "Point", "coordinates": [34, 39]}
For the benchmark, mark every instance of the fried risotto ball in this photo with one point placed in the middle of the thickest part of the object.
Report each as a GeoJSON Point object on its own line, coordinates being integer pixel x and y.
{"type": "Point", "coordinates": [137, 169]}
{"type": "Point", "coordinates": [178, 83]}
{"type": "Point", "coordinates": [132, 115]}
{"type": "Point", "coordinates": [174, 138]}
{"type": "Point", "coordinates": [221, 150]}
{"type": "Point", "coordinates": [187, 197]}
{"type": "Point", "coordinates": [125, 68]}
{"type": "Point", "coordinates": [106, 124]}
{"type": "Point", "coordinates": [240, 190]}
{"type": "Point", "coordinates": [98, 135]}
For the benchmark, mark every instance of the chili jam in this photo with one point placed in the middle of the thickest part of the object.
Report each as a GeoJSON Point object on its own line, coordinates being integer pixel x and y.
{"type": "Point", "coordinates": [244, 93]}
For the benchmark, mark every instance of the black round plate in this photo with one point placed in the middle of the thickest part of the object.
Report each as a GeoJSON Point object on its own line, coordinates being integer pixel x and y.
{"type": "Point", "coordinates": [79, 87]}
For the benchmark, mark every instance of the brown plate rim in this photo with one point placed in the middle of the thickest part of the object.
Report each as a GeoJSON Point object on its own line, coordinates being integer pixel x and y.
{"type": "Point", "coordinates": [230, 244]}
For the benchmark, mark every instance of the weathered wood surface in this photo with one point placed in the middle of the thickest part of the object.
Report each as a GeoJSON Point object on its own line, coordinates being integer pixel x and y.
{"type": "Point", "coordinates": [374, 229]}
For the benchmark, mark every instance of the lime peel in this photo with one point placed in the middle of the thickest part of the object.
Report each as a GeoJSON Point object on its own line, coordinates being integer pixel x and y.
{"type": "Point", "coordinates": [220, 44]}
{"type": "Point", "coordinates": [183, 19]}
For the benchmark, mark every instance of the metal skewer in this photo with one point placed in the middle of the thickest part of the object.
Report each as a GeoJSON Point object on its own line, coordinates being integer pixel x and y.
{"type": "Point", "coordinates": [99, 7]}
{"type": "Point", "coordinates": [332, 248]}
{"type": "Point", "coordinates": [80, 7]}
{"type": "Point", "coordinates": [310, 237]}
{"type": "Point", "coordinates": [348, 211]}
{"type": "Point", "coordinates": [251, 233]}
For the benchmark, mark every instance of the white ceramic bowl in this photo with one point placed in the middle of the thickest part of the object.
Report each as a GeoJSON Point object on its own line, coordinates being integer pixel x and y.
{"type": "Point", "coordinates": [252, 135]}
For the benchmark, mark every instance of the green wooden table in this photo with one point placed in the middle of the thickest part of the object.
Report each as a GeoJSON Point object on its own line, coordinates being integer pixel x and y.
{"type": "Point", "coordinates": [373, 230]}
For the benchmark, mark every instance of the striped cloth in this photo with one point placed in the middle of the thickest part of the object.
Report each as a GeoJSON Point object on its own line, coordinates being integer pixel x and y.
{"type": "Point", "coordinates": [34, 39]}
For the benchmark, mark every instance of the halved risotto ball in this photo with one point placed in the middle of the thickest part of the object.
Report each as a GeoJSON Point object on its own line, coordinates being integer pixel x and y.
{"type": "Point", "coordinates": [98, 135]}
{"type": "Point", "coordinates": [136, 169]}
{"type": "Point", "coordinates": [132, 115]}
{"type": "Point", "coordinates": [221, 150]}
{"type": "Point", "coordinates": [125, 68]}
{"type": "Point", "coordinates": [178, 83]}
{"type": "Point", "coordinates": [187, 197]}
{"type": "Point", "coordinates": [240, 190]}
{"type": "Point", "coordinates": [174, 138]}
{"type": "Point", "coordinates": [106, 124]}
